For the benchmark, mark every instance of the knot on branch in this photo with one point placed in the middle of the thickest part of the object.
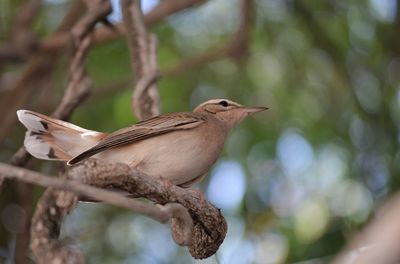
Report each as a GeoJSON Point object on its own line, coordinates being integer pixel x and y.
{"type": "Point", "coordinates": [194, 222]}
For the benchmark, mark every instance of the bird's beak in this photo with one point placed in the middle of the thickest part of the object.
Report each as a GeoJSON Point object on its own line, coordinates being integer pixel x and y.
{"type": "Point", "coordinates": [252, 110]}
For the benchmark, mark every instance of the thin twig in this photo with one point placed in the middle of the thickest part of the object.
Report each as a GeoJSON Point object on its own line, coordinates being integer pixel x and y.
{"type": "Point", "coordinates": [181, 222]}
{"type": "Point", "coordinates": [209, 227]}
{"type": "Point", "coordinates": [84, 190]}
{"type": "Point", "coordinates": [61, 41]}
{"type": "Point", "coordinates": [79, 84]}
{"type": "Point", "coordinates": [103, 34]}
{"type": "Point", "coordinates": [40, 68]}
{"type": "Point", "coordinates": [76, 92]}
{"type": "Point", "coordinates": [236, 48]}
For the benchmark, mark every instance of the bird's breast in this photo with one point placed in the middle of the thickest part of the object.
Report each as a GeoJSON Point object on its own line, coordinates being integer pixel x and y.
{"type": "Point", "coordinates": [179, 156]}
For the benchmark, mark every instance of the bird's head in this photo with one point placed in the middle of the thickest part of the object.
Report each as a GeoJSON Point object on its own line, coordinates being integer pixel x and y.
{"type": "Point", "coordinates": [227, 111]}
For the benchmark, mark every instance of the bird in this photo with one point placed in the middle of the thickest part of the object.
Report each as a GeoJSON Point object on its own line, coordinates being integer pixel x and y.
{"type": "Point", "coordinates": [180, 147]}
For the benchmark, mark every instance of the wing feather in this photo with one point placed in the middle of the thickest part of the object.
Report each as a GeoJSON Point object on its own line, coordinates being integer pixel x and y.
{"type": "Point", "coordinates": [143, 130]}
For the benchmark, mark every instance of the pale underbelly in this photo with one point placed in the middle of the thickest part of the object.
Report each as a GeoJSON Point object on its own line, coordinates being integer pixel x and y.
{"type": "Point", "coordinates": [178, 158]}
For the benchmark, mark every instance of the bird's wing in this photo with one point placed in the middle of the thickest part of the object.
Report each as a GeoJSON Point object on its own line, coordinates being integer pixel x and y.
{"type": "Point", "coordinates": [143, 130]}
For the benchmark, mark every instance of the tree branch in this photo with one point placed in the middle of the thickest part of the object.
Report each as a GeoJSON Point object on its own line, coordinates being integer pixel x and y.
{"type": "Point", "coordinates": [143, 50]}
{"type": "Point", "coordinates": [103, 34]}
{"type": "Point", "coordinates": [77, 90]}
{"type": "Point", "coordinates": [23, 41]}
{"type": "Point", "coordinates": [49, 49]}
{"type": "Point", "coordinates": [25, 17]}
{"type": "Point", "coordinates": [379, 241]}
{"type": "Point", "coordinates": [236, 49]}
{"type": "Point", "coordinates": [39, 68]}
{"type": "Point", "coordinates": [196, 224]}
{"type": "Point", "coordinates": [209, 225]}
{"type": "Point", "coordinates": [85, 190]}
{"type": "Point", "coordinates": [79, 84]}
{"type": "Point", "coordinates": [60, 41]}
{"type": "Point", "coordinates": [51, 209]}
{"type": "Point", "coordinates": [203, 237]}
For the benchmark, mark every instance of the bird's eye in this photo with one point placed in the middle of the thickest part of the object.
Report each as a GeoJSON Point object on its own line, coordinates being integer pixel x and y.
{"type": "Point", "coordinates": [224, 103]}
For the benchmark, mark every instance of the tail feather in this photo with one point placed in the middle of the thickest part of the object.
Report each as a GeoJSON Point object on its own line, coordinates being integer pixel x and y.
{"type": "Point", "coordinates": [52, 139]}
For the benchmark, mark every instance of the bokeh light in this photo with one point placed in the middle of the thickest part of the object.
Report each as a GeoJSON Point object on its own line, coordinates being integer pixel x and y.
{"type": "Point", "coordinates": [272, 248]}
{"type": "Point", "coordinates": [116, 15]}
{"type": "Point", "coordinates": [294, 152]}
{"type": "Point", "coordinates": [227, 185]}
{"type": "Point", "coordinates": [311, 220]}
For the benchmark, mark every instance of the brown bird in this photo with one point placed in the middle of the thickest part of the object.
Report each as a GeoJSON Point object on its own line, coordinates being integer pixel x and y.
{"type": "Point", "coordinates": [180, 147]}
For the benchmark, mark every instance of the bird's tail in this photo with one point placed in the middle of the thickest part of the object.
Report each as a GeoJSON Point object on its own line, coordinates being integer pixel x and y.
{"type": "Point", "coordinates": [52, 139]}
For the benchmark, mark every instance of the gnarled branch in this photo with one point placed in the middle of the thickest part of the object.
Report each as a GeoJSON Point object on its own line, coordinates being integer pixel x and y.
{"type": "Point", "coordinates": [203, 238]}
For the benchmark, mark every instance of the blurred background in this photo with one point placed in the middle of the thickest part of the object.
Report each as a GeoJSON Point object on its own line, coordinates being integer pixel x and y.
{"type": "Point", "coordinates": [294, 182]}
